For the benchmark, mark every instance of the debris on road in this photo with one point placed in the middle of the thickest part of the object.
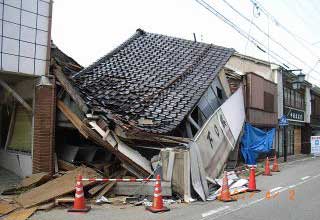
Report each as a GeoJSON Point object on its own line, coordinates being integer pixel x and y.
{"type": "Point", "coordinates": [7, 207]}
{"type": "Point", "coordinates": [28, 183]}
{"type": "Point", "coordinates": [21, 214]}
{"type": "Point", "coordinates": [54, 188]}
{"type": "Point", "coordinates": [102, 200]}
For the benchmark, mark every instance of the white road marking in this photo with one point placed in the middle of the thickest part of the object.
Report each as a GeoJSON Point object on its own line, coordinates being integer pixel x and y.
{"type": "Point", "coordinates": [214, 211]}
{"type": "Point", "coordinates": [276, 189]}
{"type": "Point", "coordinates": [306, 177]}
{"type": "Point", "coordinates": [282, 189]}
{"type": "Point", "coordinates": [292, 186]}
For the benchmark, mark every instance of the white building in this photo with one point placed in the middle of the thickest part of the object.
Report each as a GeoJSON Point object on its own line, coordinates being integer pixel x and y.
{"type": "Point", "coordinates": [26, 91]}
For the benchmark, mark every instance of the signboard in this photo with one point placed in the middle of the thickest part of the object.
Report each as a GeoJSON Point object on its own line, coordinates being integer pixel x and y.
{"type": "Point", "coordinates": [217, 137]}
{"type": "Point", "coordinates": [214, 145]}
{"type": "Point", "coordinates": [315, 145]}
{"type": "Point", "coordinates": [283, 121]}
{"type": "Point", "coordinates": [294, 114]}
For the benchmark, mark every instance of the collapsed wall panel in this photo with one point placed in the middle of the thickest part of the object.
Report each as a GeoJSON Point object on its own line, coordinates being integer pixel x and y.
{"type": "Point", "coordinates": [218, 136]}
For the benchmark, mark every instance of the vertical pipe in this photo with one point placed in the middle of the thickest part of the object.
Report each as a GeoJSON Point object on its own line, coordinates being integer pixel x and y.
{"type": "Point", "coordinates": [284, 127]}
{"type": "Point", "coordinates": [194, 37]}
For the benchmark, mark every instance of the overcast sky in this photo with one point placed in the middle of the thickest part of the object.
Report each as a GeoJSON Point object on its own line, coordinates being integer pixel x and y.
{"type": "Point", "coordinates": [87, 30]}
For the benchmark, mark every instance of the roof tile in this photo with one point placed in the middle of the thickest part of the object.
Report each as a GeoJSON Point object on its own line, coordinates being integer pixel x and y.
{"type": "Point", "coordinates": [153, 76]}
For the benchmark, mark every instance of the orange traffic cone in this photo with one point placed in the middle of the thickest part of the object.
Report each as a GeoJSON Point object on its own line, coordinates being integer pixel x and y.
{"type": "Point", "coordinates": [252, 181]}
{"type": "Point", "coordinates": [79, 204]}
{"type": "Point", "coordinates": [225, 193]}
{"type": "Point", "coordinates": [267, 168]}
{"type": "Point", "coordinates": [157, 204]}
{"type": "Point", "coordinates": [275, 165]}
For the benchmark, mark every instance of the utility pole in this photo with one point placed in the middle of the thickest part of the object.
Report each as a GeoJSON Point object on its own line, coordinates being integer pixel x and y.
{"type": "Point", "coordinates": [283, 127]}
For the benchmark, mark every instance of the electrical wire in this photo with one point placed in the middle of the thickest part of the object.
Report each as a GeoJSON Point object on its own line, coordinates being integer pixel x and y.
{"type": "Point", "coordinates": [258, 44]}
{"type": "Point", "coordinates": [299, 39]}
{"type": "Point", "coordinates": [266, 34]}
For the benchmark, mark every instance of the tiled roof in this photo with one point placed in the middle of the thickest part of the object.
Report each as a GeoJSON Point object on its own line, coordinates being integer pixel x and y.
{"type": "Point", "coordinates": [68, 65]}
{"type": "Point", "coordinates": [152, 76]}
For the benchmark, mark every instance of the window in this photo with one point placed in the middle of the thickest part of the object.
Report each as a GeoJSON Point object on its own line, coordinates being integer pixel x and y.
{"type": "Point", "coordinates": [286, 96]}
{"type": "Point", "coordinates": [293, 98]}
{"type": "Point", "coordinates": [219, 93]}
{"type": "Point", "coordinates": [268, 102]}
{"type": "Point", "coordinates": [20, 130]}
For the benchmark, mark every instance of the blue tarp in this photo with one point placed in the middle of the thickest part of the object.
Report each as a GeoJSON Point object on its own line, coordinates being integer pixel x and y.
{"type": "Point", "coordinates": [255, 141]}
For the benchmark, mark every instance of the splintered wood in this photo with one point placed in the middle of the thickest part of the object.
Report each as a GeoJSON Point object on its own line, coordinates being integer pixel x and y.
{"type": "Point", "coordinates": [55, 188]}
{"type": "Point", "coordinates": [35, 179]}
{"type": "Point", "coordinates": [21, 214]}
{"type": "Point", "coordinates": [6, 207]}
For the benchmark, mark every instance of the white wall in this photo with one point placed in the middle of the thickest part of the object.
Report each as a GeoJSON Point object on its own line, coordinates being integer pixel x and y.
{"type": "Point", "coordinates": [24, 29]}
{"type": "Point", "coordinates": [278, 74]}
{"type": "Point", "coordinates": [308, 105]}
{"type": "Point", "coordinates": [243, 65]}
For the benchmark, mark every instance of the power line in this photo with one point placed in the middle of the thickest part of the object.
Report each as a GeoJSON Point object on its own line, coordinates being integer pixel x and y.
{"type": "Point", "coordinates": [296, 13]}
{"type": "Point", "coordinates": [266, 34]}
{"type": "Point", "coordinates": [258, 44]}
{"type": "Point", "coordinates": [299, 39]}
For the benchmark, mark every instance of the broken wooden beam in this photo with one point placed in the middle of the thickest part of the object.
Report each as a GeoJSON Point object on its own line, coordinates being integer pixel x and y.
{"type": "Point", "coordinates": [66, 166]}
{"type": "Point", "coordinates": [15, 95]}
{"type": "Point", "coordinates": [106, 189]}
{"type": "Point", "coordinates": [70, 89]}
{"type": "Point", "coordinates": [72, 117]}
{"type": "Point", "coordinates": [21, 214]}
{"type": "Point", "coordinates": [35, 179]}
{"type": "Point", "coordinates": [111, 143]}
{"type": "Point", "coordinates": [66, 199]}
{"type": "Point", "coordinates": [7, 207]}
{"type": "Point", "coordinates": [94, 190]}
{"type": "Point", "coordinates": [55, 188]}
{"type": "Point", "coordinates": [27, 183]}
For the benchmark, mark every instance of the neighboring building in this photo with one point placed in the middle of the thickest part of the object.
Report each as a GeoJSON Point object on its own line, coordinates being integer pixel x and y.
{"type": "Point", "coordinates": [315, 111]}
{"type": "Point", "coordinates": [260, 89]}
{"type": "Point", "coordinates": [295, 104]}
{"type": "Point", "coordinates": [312, 129]}
{"type": "Point", "coordinates": [261, 102]}
{"type": "Point", "coordinates": [26, 91]}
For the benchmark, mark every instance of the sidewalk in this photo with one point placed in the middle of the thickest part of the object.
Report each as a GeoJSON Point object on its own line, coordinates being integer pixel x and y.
{"type": "Point", "coordinates": [295, 157]}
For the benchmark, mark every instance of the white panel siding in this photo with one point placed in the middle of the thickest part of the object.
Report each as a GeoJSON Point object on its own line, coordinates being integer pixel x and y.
{"type": "Point", "coordinates": [11, 14]}
{"type": "Point", "coordinates": [28, 34]}
{"type": "Point", "coordinates": [26, 65]}
{"type": "Point", "coordinates": [11, 30]}
{"type": "Point", "coordinates": [29, 5]}
{"type": "Point", "coordinates": [24, 38]}
{"type": "Point", "coordinates": [27, 49]}
{"type": "Point", "coordinates": [10, 62]}
{"type": "Point", "coordinates": [40, 67]}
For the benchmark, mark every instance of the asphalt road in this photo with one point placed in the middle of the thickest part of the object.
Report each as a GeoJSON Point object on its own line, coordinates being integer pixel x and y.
{"type": "Point", "coordinates": [293, 195]}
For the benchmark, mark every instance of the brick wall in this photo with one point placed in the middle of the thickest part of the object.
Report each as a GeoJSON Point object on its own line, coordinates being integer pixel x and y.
{"type": "Point", "coordinates": [44, 129]}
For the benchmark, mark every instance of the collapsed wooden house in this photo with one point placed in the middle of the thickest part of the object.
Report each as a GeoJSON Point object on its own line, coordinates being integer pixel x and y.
{"type": "Point", "coordinates": [151, 94]}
